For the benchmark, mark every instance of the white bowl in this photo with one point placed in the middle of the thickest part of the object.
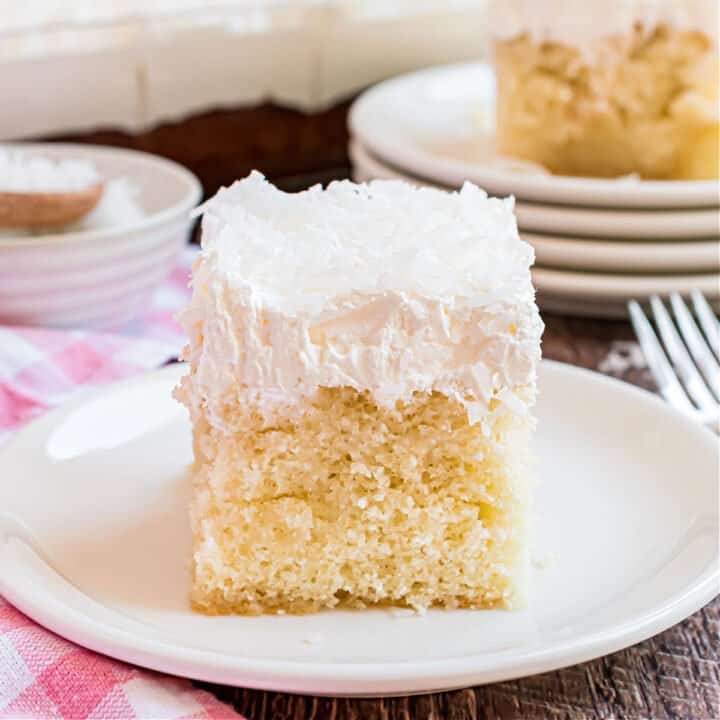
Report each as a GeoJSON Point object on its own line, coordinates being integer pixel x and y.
{"type": "Point", "coordinates": [100, 278]}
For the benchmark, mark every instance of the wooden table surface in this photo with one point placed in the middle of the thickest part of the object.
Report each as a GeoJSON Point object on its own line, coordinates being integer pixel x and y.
{"type": "Point", "coordinates": [673, 675]}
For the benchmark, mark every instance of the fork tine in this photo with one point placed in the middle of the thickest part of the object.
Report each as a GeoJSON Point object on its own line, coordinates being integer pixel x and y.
{"type": "Point", "coordinates": [681, 360]}
{"type": "Point", "coordinates": [668, 385]}
{"type": "Point", "coordinates": [703, 356]}
{"type": "Point", "coordinates": [708, 321]}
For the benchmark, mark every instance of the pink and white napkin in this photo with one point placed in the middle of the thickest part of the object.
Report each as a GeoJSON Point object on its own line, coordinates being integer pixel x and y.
{"type": "Point", "coordinates": [41, 675]}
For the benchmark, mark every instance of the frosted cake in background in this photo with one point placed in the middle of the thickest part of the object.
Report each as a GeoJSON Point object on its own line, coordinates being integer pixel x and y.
{"type": "Point", "coordinates": [362, 367]}
{"type": "Point", "coordinates": [609, 88]}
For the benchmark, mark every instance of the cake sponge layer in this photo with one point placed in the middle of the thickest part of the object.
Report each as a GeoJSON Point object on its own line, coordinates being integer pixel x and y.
{"type": "Point", "coordinates": [346, 502]}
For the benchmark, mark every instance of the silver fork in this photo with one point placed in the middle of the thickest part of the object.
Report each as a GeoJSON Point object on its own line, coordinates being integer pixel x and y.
{"type": "Point", "coordinates": [687, 371]}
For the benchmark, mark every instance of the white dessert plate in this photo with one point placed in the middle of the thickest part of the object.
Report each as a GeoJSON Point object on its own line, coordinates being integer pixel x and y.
{"type": "Point", "coordinates": [606, 295]}
{"type": "Point", "coordinates": [438, 124]}
{"type": "Point", "coordinates": [678, 224]}
{"type": "Point", "coordinates": [621, 288]}
{"type": "Point", "coordinates": [626, 257]}
{"type": "Point", "coordinates": [606, 223]}
{"type": "Point", "coordinates": [94, 544]}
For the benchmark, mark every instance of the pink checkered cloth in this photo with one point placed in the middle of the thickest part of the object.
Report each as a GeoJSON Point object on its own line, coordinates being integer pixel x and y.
{"type": "Point", "coordinates": [42, 675]}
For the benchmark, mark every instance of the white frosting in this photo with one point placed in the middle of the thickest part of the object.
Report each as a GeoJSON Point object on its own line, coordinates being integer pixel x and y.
{"type": "Point", "coordinates": [583, 24]}
{"type": "Point", "coordinates": [381, 287]}
{"type": "Point", "coordinates": [21, 172]}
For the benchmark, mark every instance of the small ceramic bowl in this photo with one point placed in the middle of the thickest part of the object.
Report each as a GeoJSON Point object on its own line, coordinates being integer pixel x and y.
{"type": "Point", "coordinates": [100, 278]}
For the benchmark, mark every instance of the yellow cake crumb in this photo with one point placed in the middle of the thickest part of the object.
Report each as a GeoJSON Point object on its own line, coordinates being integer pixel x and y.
{"type": "Point", "coordinates": [342, 502]}
{"type": "Point", "coordinates": [645, 103]}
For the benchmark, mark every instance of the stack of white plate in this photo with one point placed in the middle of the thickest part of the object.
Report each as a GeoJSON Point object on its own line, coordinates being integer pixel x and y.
{"type": "Point", "coordinates": [598, 242]}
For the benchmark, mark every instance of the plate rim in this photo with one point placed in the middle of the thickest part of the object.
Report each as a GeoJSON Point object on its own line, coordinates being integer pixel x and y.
{"type": "Point", "coordinates": [565, 220]}
{"type": "Point", "coordinates": [615, 255]}
{"type": "Point", "coordinates": [308, 676]}
{"type": "Point", "coordinates": [664, 224]}
{"type": "Point", "coordinates": [609, 287]}
{"type": "Point", "coordinates": [595, 192]}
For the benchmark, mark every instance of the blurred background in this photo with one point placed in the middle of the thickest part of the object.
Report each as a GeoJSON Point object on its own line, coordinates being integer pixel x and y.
{"type": "Point", "coordinates": [221, 87]}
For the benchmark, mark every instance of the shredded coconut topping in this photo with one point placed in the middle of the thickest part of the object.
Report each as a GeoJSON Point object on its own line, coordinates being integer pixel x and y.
{"type": "Point", "coordinates": [21, 172]}
{"type": "Point", "coordinates": [380, 287]}
{"type": "Point", "coordinates": [298, 250]}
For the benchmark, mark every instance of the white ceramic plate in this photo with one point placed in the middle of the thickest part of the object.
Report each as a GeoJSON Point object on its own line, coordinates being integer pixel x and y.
{"type": "Point", "coordinates": [606, 295]}
{"type": "Point", "coordinates": [594, 222]}
{"type": "Point", "coordinates": [94, 544]}
{"type": "Point", "coordinates": [606, 223]}
{"type": "Point", "coordinates": [608, 287]}
{"type": "Point", "coordinates": [603, 295]}
{"type": "Point", "coordinates": [638, 257]}
{"type": "Point", "coordinates": [439, 124]}
{"type": "Point", "coordinates": [103, 277]}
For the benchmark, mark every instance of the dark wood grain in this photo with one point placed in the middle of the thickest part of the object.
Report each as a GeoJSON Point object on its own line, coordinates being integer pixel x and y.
{"type": "Point", "coordinates": [292, 148]}
{"type": "Point", "coordinates": [671, 676]}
